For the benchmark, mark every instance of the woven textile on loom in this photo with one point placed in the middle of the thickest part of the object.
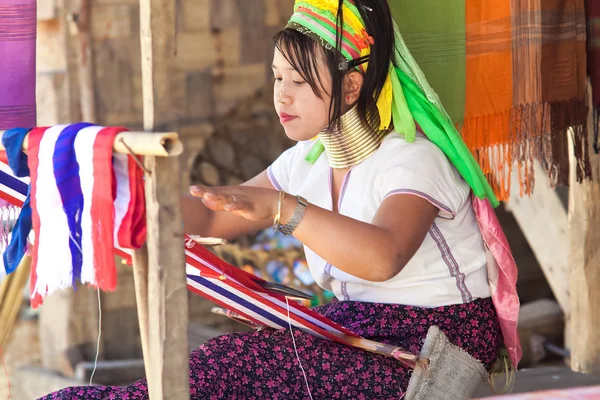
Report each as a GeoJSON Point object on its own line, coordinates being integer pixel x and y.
{"type": "Point", "coordinates": [17, 63]}
{"type": "Point", "coordinates": [511, 74]}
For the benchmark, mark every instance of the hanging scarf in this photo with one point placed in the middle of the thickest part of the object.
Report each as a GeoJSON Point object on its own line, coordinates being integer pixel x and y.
{"type": "Point", "coordinates": [17, 63]}
{"type": "Point", "coordinates": [84, 202]}
{"type": "Point", "coordinates": [494, 65]}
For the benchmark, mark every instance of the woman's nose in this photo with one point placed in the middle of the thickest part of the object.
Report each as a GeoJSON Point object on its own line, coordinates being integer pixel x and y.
{"type": "Point", "coordinates": [282, 95]}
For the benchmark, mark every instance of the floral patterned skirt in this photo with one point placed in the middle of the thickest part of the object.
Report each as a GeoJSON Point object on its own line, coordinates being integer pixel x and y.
{"type": "Point", "coordinates": [264, 364]}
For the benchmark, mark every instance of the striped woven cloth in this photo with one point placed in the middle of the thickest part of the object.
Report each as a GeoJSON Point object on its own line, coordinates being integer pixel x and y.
{"type": "Point", "coordinates": [512, 75]}
{"type": "Point", "coordinates": [17, 63]}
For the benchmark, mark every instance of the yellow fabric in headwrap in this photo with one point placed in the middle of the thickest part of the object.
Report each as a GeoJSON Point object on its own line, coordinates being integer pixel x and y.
{"type": "Point", "coordinates": [384, 104]}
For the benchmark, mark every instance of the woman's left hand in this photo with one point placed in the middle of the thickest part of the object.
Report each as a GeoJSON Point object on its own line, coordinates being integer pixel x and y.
{"type": "Point", "coordinates": [253, 203]}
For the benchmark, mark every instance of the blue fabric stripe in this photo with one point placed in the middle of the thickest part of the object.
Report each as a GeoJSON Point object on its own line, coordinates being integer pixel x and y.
{"type": "Point", "coordinates": [66, 173]}
{"type": "Point", "coordinates": [12, 140]}
{"type": "Point", "coordinates": [236, 299]}
{"type": "Point", "coordinates": [13, 183]}
{"type": "Point", "coordinates": [17, 247]}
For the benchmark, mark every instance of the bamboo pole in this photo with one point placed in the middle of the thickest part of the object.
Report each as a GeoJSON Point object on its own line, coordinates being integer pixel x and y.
{"type": "Point", "coordinates": [159, 144]}
{"type": "Point", "coordinates": [11, 298]}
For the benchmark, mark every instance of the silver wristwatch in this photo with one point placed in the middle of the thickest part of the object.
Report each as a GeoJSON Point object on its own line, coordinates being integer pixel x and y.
{"type": "Point", "coordinates": [290, 227]}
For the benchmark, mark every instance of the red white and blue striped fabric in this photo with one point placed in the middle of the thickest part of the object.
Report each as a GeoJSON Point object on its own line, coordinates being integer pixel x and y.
{"type": "Point", "coordinates": [238, 291]}
{"type": "Point", "coordinates": [84, 201]}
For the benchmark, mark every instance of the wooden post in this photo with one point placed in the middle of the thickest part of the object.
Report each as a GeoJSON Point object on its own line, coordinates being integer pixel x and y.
{"type": "Point", "coordinates": [584, 229]}
{"type": "Point", "coordinates": [162, 280]}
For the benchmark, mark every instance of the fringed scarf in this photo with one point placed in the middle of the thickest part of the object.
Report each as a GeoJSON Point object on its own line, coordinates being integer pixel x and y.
{"type": "Point", "coordinates": [523, 74]}
{"type": "Point", "coordinates": [84, 202]}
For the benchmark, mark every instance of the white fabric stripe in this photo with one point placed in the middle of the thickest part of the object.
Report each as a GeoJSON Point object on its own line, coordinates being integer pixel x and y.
{"type": "Point", "coordinates": [12, 192]}
{"type": "Point", "coordinates": [123, 197]}
{"type": "Point", "coordinates": [84, 146]}
{"type": "Point", "coordinates": [5, 168]}
{"type": "Point", "coordinates": [54, 263]}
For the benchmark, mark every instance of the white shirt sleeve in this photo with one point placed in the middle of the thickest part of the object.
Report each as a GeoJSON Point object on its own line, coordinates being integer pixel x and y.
{"type": "Point", "coordinates": [281, 169]}
{"type": "Point", "coordinates": [423, 170]}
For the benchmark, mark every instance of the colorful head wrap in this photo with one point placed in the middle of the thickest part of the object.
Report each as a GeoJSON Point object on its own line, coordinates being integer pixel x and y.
{"type": "Point", "coordinates": [406, 96]}
{"type": "Point", "coordinates": [318, 19]}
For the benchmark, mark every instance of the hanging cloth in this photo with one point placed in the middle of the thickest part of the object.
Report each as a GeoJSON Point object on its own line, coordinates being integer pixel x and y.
{"type": "Point", "coordinates": [84, 202]}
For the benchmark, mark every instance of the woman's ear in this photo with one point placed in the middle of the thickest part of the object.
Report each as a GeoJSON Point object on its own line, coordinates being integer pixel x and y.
{"type": "Point", "coordinates": [353, 82]}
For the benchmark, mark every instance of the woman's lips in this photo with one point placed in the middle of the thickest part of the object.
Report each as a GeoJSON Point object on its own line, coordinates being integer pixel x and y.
{"type": "Point", "coordinates": [283, 117]}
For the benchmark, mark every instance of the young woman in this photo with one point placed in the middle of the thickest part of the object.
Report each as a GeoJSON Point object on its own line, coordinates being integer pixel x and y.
{"type": "Point", "coordinates": [385, 216]}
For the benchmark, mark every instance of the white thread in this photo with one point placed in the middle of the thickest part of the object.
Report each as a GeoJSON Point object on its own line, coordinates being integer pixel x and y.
{"type": "Point", "coordinates": [296, 349]}
{"type": "Point", "coordinates": [99, 335]}
{"type": "Point", "coordinates": [99, 319]}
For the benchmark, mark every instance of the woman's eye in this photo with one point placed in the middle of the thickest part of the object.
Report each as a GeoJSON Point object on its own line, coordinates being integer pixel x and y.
{"type": "Point", "coordinates": [278, 79]}
{"type": "Point", "coordinates": [299, 83]}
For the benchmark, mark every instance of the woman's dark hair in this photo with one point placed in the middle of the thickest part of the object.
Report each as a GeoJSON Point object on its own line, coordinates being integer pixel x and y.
{"type": "Point", "coordinates": [301, 52]}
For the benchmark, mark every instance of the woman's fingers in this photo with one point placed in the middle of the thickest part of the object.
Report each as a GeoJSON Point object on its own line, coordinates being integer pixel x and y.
{"type": "Point", "coordinates": [219, 198]}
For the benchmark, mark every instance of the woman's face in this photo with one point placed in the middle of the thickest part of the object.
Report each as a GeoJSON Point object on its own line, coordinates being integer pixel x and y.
{"type": "Point", "coordinates": [301, 112]}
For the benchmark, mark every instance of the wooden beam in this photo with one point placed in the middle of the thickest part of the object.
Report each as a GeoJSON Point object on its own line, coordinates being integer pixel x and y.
{"type": "Point", "coordinates": [543, 220]}
{"type": "Point", "coordinates": [166, 291]}
{"type": "Point", "coordinates": [161, 144]}
{"type": "Point", "coordinates": [584, 260]}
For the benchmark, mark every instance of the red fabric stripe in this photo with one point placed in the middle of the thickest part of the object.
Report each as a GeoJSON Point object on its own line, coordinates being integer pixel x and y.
{"type": "Point", "coordinates": [102, 211]}
{"type": "Point", "coordinates": [10, 199]}
{"type": "Point", "coordinates": [33, 147]}
{"type": "Point", "coordinates": [136, 185]}
{"type": "Point", "coordinates": [132, 232]}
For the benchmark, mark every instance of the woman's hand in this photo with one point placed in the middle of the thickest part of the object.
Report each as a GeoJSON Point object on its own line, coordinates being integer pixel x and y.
{"type": "Point", "coordinates": [252, 203]}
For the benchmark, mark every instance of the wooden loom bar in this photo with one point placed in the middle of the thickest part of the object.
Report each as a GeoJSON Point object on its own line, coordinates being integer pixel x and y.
{"type": "Point", "coordinates": [161, 281]}
{"type": "Point", "coordinates": [164, 144]}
